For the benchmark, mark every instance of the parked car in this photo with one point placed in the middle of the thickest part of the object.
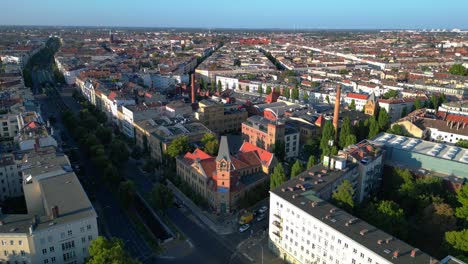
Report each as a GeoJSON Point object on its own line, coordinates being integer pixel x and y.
{"type": "Point", "coordinates": [246, 218]}
{"type": "Point", "coordinates": [243, 228]}
{"type": "Point", "coordinates": [263, 209]}
{"type": "Point", "coordinates": [261, 217]}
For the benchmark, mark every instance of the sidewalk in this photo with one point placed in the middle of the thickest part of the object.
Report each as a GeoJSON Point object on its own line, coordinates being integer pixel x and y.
{"type": "Point", "coordinates": [223, 228]}
{"type": "Point", "coordinates": [255, 248]}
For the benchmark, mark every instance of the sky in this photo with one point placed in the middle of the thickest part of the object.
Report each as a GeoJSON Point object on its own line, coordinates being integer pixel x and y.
{"type": "Point", "coordinates": [285, 14]}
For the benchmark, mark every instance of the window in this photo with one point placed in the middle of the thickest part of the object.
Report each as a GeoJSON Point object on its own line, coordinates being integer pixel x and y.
{"type": "Point", "coordinates": [3, 241]}
{"type": "Point", "coordinates": [44, 251]}
{"type": "Point", "coordinates": [369, 260]}
{"type": "Point", "coordinates": [82, 229]}
{"type": "Point", "coordinates": [90, 238]}
{"type": "Point", "coordinates": [13, 252]}
{"type": "Point", "coordinates": [20, 242]}
{"type": "Point", "coordinates": [83, 239]}
{"type": "Point", "coordinates": [51, 249]}
{"type": "Point", "coordinates": [5, 252]}
{"type": "Point", "coordinates": [52, 259]}
{"type": "Point", "coordinates": [353, 261]}
{"type": "Point", "coordinates": [354, 251]}
{"type": "Point", "coordinates": [12, 242]}
{"type": "Point", "coordinates": [46, 261]}
{"type": "Point", "coordinates": [70, 233]}
{"type": "Point", "coordinates": [362, 255]}
{"type": "Point", "coordinates": [22, 253]}
{"type": "Point", "coordinates": [68, 245]}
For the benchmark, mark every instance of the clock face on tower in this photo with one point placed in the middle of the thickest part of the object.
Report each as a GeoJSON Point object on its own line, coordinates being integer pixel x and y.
{"type": "Point", "coordinates": [223, 164]}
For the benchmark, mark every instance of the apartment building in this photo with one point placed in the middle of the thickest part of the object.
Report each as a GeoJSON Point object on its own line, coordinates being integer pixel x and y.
{"type": "Point", "coordinates": [304, 228]}
{"type": "Point", "coordinates": [265, 133]}
{"type": "Point", "coordinates": [57, 228]}
{"type": "Point", "coordinates": [360, 100]}
{"type": "Point", "coordinates": [9, 123]}
{"type": "Point", "coordinates": [369, 158]}
{"type": "Point", "coordinates": [395, 107]}
{"type": "Point", "coordinates": [219, 117]}
{"type": "Point", "coordinates": [11, 179]}
{"type": "Point", "coordinates": [155, 135]}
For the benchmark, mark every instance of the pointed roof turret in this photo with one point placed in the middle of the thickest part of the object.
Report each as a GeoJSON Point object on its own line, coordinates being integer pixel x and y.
{"type": "Point", "coordinates": [223, 152]}
{"type": "Point", "coordinates": [371, 98]}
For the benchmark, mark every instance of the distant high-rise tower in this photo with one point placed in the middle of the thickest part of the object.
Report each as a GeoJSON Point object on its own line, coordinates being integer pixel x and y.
{"type": "Point", "coordinates": [336, 114]}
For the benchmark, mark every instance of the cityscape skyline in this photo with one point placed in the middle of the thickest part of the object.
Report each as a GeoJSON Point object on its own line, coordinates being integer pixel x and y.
{"type": "Point", "coordinates": [239, 15]}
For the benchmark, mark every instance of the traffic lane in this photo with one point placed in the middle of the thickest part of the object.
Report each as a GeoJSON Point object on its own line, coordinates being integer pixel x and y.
{"type": "Point", "coordinates": [208, 249]}
{"type": "Point", "coordinates": [255, 227]}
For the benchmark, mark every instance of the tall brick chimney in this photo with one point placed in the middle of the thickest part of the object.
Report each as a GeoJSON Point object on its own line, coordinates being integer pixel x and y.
{"type": "Point", "coordinates": [193, 88]}
{"type": "Point", "coordinates": [337, 109]}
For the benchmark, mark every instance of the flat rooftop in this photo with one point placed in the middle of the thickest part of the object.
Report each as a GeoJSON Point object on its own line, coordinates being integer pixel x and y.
{"type": "Point", "coordinates": [438, 150]}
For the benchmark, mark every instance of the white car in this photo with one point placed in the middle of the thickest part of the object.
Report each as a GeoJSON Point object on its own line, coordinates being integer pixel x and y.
{"type": "Point", "coordinates": [243, 228]}
{"type": "Point", "coordinates": [261, 217]}
{"type": "Point", "coordinates": [263, 209]}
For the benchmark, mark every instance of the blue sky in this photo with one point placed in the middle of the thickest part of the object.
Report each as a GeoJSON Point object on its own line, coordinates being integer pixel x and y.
{"type": "Point", "coordinates": [332, 14]}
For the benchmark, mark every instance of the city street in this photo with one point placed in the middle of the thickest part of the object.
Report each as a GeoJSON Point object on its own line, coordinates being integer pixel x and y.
{"type": "Point", "coordinates": [111, 215]}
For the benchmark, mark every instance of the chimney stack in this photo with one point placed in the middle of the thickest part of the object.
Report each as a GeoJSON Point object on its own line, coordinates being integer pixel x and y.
{"type": "Point", "coordinates": [193, 88]}
{"type": "Point", "coordinates": [55, 212]}
{"type": "Point", "coordinates": [337, 109]}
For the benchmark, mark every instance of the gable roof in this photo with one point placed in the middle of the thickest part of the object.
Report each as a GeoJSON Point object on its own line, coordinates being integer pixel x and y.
{"type": "Point", "coordinates": [264, 156]}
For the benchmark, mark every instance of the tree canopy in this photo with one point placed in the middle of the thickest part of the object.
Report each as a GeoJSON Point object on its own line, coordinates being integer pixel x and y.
{"type": "Point", "coordinates": [278, 176]}
{"type": "Point", "coordinates": [102, 250]}
{"type": "Point", "coordinates": [211, 143]}
{"type": "Point", "coordinates": [296, 169]}
{"type": "Point", "coordinates": [178, 146]}
{"type": "Point", "coordinates": [328, 133]}
{"type": "Point", "coordinates": [311, 161]}
{"type": "Point", "coordinates": [345, 131]}
{"type": "Point", "coordinates": [458, 69]}
{"type": "Point", "coordinates": [161, 197]}
{"type": "Point", "coordinates": [343, 196]}
{"type": "Point", "coordinates": [390, 94]}
{"type": "Point", "coordinates": [352, 106]}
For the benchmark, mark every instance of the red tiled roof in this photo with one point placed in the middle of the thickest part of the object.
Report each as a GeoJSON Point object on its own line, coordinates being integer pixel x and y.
{"type": "Point", "coordinates": [197, 153]}
{"type": "Point", "coordinates": [112, 96]}
{"type": "Point", "coordinates": [265, 156]}
{"type": "Point", "coordinates": [357, 96]}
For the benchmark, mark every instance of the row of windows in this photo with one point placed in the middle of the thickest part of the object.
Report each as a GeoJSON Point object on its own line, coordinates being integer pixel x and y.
{"type": "Point", "coordinates": [13, 253]}
{"type": "Point", "coordinates": [12, 242]}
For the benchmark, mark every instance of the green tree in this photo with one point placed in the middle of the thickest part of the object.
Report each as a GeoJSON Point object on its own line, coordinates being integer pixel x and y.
{"type": "Point", "coordinates": [343, 196]}
{"type": "Point", "coordinates": [260, 90]}
{"type": "Point", "coordinates": [328, 133]}
{"type": "Point", "coordinates": [305, 97]}
{"type": "Point", "coordinates": [458, 240]}
{"type": "Point", "coordinates": [278, 176]}
{"type": "Point", "coordinates": [442, 99]}
{"type": "Point", "coordinates": [383, 120]}
{"type": "Point", "coordinates": [279, 149]}
{"type": "Point", "coordinates": [390, 94]}
{"type": "Point", "coordinates": [286, 92]}
{"type": "Point", "coordinates": [327, 99]}
{"type": "Point", "coordinates": [462, 143]}
{"type": "Point", "coordinates": [387, 215]}
{"type": "Point", "coordinates": [102, 250]}
{"type": "Point", "coordinates": [398, 130]}
{"type": "Point", "coordinates": [268, 90]}
{"type": "Point", "coordinates": [434, 102]}
{"type": "Point", "coordinates": [438, 218]}
{"type": "Point", "coordinates": [119, 153]}
{"type": "Point", "coordinates": [127, 193]}
{"type": "Point", "coordinates": [104, 134]}
{"type": "Point", "coordinates": [178, 146]}
{"type": "Point", "coordinates": [111, 175]}
{"type": "Point", "coordinates": [212, 147]}
{"type": "Point", "coordinates": [162, 197]}
{"type": "Point", "coordinates": [277, 90]}
{"type": "Point", "coordinates": [417, 103]}
{"type": "Point", "coordinates": [462, 197]}
{"type": "Point", "coordinates": [458, 69]}
{"type": "Point", "coordinates": [344, 132]}
{"type": "Point", "coordinates": [373, 128]}
{"type": "Point", "coordinates": [311, 161]}
{"type": "Point", "coordinates": [296, 169]}
{"type": "Point", "coordinates": [350, 140]}
{"type": "Point", "coordinates": [213, 87]}
{"type": "Point", "coordinates": [220, 87]}
{"type": "Point", "coordinates": [247, 88]}
{"type": "Point", "coordinates": [295, 93]}
{"type": "Point", "coordinates": [352, 106]}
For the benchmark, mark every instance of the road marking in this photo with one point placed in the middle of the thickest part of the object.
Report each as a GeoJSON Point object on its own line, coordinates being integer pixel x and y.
{"type": "Point", "coordinates": [248, 257]}
{"type": "Point", "coordinates": [190, 243]}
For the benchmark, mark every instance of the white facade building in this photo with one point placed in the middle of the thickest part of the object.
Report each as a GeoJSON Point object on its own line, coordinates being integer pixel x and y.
{"type": "Point", "coordinates": [10, 180]}
{"type": "Point", "coordinates": [305, 229]}
{"type": "Point", "coordinates": [60, 223]}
